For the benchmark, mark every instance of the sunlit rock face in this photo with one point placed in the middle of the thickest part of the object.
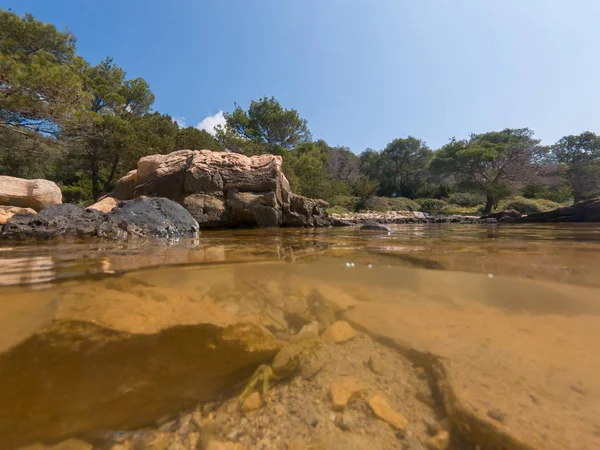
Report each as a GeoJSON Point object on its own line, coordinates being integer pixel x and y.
{"type": "Point", "coordinates": [223, 189]}
{"type": "Point", "coordinates": [34, 194]}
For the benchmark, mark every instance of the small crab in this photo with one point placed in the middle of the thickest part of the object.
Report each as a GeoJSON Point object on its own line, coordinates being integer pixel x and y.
{"type": "Point", "coordinates": [285, 364]}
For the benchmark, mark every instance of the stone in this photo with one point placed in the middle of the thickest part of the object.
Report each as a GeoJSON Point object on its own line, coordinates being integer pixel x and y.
{"type": "Point", "coordinates": [104, 205]}
{"type": "Point", "coordinates": [34, 194]}
{"type": "Point", "coordinates": [339, 332]}
{"type": "Point", "coordinates": [345, 422]}
{"type": "Point", "coordinates": [6, 212]}
{"type": "Point", "coordinates": [142, 217]}
{"type": "Point", "coordinates": [587, 211]}
{"type": "Point", "coordinates": [382, 409]}
{"type": "Point", "coordinates": [374, 226]}
{"type": "Point", "coordinates": [440, 441]}
{"type": "Point", "coordinates": [343, 389]}
{"type": "Point", "coordinates": [433, 427]}
{"type": "Point", "coordinates": [504, 216]}
{"type": "Point", "coordinates": [222, 189]}
{"type": "Point", "coordinates": [102, 358]}
{"type": "Point", "coordinates": [252, 403]}
{"type": "Point", "coordinates": [376, 365]}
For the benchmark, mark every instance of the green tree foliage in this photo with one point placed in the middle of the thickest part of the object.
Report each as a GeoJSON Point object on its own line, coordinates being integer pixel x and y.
{"type": "Point", "coordinates": [40, 75]}
{"type": "Point", "coordinates": [103, 138]}
{"type": "Point", "coordinates": [580, 155]}
{"type": "Point", "coordinates": [491, 163]}
{"type": "Point", "coordinates": [266, 127]}
{"type": "Point", "coordinates": [404, 162]}
{"type": "Point", "coordinates": [194, 139]}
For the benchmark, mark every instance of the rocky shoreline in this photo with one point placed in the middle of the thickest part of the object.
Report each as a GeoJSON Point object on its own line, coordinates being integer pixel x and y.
{"type": "Point", "coordinates": [404, 217]}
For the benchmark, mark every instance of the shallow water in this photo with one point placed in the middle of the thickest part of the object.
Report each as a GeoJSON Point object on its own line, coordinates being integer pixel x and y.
{"type": "Point", "coordinates": [515, 309]}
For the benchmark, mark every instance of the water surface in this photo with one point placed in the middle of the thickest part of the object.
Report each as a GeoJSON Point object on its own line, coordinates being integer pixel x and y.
{"type": "Point", "coordinates": [515, 309]}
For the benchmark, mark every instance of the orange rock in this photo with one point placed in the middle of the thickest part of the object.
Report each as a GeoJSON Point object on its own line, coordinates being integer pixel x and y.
{"type": "Point", "coordinates": [343, 389]}
{"type": "Point", "coordinates": [384, 411]}
{"type": "Point", "coordinates": [252, 403]}
{"type": "Point", "coordinates": [339, 332]}
{"type": "Point", "coordinates": [440, 441]}
{"type": "Point", "coordinates": [105, 205]}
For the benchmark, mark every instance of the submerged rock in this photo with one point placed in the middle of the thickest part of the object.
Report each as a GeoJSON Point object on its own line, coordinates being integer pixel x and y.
{"type": "Point", "coordinates": [100, 358]}
{"type": "Point", "coordinates": [142, 217]}
{"type": "Point", "coordinates": [223, 189]}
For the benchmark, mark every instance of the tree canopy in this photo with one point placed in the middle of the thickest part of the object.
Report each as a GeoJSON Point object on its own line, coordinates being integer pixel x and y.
{"type": "Point", "coordinates": [85, 125]}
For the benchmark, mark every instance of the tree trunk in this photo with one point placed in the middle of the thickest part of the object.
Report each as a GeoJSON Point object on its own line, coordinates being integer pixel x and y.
{"type": "Point", "coordinates": [489, 204]}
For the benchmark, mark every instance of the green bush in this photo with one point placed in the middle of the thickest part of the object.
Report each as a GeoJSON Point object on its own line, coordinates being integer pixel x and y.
{"type": "Point", "coordinates": [345, 201]}
{"type": "Point", "coordinates": [431, 205]}
{"type": "Point", "coordinates": [402, 204]}
{"type": "Point", "coordinates": [466, 198]}
{"type": "Point", "coordinates": [374, 204]}
{"type": "Point", "coordinates": [527, 205]}
{"type": "Point", "coordinates": [558, 194]}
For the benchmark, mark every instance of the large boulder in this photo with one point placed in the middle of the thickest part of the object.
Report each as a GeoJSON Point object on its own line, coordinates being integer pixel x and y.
{"type": "Point", "coordinates": [34, 194]}
{"type": "Point", "coordinates": [142, 217]}
{"type": "Point", "coordinates": [222, 189]}
{"type": "Point", "coordinates": [587, 211]}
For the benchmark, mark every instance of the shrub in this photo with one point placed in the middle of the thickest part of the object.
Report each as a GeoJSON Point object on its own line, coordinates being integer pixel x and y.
{"type": "Point", "coordinates": [431, 205]}
{"type": "Point", "coordinates": [345, 201]}
{"type": "Point", "coordinates": [528, 205]}
{"type": "Point", "coordinates": [374, 204]}
{"type": "Point", "coordinates": [466, 198]}
{"type": "Point", "coordinates": [402, 204]}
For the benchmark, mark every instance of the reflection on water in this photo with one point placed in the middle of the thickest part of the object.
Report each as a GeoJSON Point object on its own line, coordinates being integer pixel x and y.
{"type": "Point", "coordinates": [514, 310]}
{"type": "Point", "coordinates": [563, 253]}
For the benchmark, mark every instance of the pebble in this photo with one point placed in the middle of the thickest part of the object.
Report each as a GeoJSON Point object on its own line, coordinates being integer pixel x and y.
{"type": "Point", "coordinates": [376, 366]}
{"type": "Point", "coordinates": [341, 331]}
{"type": "Point", "coordinates": [432, 427]}
{"type": "Point", "coordinates": [382, 409]}
{"type": "Point", "coordinates": [343, 389]}
{"type": "Point", "coordinates": [440, 441]}
{"type": "Point", "coordinates": [345, 422]}
{"type": "Point", "coordinates": [252, 402]}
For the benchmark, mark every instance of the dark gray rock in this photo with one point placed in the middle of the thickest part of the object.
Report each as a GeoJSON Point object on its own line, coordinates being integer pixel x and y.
{"type": "Point", "coordinates": [504, 216]}
{"type": "Point", "coordinates": [374, 226]}
{"type": "Point", "coordinates": [587, 211]}
{"type": "Point", "coordinates": [340, 223]}
{"type": "Point", "coordinates": [142, 217]}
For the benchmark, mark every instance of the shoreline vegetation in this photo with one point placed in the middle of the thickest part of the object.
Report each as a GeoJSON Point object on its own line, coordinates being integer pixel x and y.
{"type": "Point", "coordinates": [85, 126]}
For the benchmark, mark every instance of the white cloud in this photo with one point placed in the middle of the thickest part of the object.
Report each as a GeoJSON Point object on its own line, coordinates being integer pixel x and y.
{"type": "Point", "coordinates": [209, 123]}
{"type": "Point", "coordinates": [180, 121]}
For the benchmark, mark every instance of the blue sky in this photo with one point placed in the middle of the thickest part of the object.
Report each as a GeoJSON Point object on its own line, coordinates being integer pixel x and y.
{"type": "Point", "coordinates": [362, 72]}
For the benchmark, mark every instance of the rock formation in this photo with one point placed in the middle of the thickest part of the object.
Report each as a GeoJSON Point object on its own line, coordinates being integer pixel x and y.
{"type": "Point", "coordinates": [587, 211]}
{"type": "Point", "coordinates": [34, 194]}
{"type": "Point", "coordinates": [156, 217]}
{"type": "Point", "coordinates": [223, 189]}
